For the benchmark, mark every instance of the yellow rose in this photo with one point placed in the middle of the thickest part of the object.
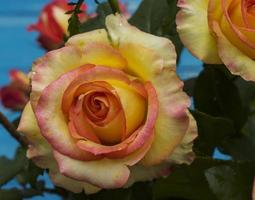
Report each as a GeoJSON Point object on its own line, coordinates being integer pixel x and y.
{"type": "Point", "coordinates": [219, 31]}
{"type": "Point", "coordinates": [108, 110]}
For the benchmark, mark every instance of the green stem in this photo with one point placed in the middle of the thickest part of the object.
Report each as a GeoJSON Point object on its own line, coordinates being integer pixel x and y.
{"type": "Point", "coordinates": [114, 6]}
{"type": "Point", "coordinates": [12, 130]}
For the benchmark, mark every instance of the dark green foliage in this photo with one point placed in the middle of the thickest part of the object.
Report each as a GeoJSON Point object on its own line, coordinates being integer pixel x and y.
{"type": "Point", "coordinates": [216, 94]}
{"type": "Point", "coordinates": [10, 168]}
{"type": "Point", "coordinates": [158, 17]}
{"type": "Point", "coordinates": [74, 22]}
{"type": "Point", "coordinates": [212, 132]}
{"type": "Point", "coordinates": [97, 22]}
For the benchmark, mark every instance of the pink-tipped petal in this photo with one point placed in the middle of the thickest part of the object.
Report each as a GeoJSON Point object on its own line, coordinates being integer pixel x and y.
{"type": "Point", "coordinates": [70, 184]}
{"type": "Point", "coordinates": [55, 126]}
{"type": "Point", "coordinates": [94, 172]}
{"type": "Point", "coordinates": [138, 139]}
{"type": "Point", "coordinates": [39, 149]}
{"type": "Point", "coordinates": [50, 67]}
{"type": "Point", "coordinates": [172, 121]}
{"type": "Point", "coordinates": [235, 60]}
{"type": "Point", "coordinates": [183, 153]}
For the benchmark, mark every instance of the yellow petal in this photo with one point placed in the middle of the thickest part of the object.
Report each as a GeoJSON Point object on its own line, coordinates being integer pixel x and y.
{"type": "Point", "coordinates": [183, 152]}
{"type": "Point", "coordinates": [194, 31]}
{"type": "Point", "coordinates": [144, 63]}
{"type": "Point", "coordinates": [39, 150]}
{"type": "Point", "coordinates": [70, 184]}
{"type": "Point", "coordinates": [102, 54]}
{"type": "Point", "coordinates": [133, 104]}
{"type": "Point", "coordinates": [238, 36]}
{"type": "Point", "coordinates": [81, 40]}
{"type": "Point", "coordinates": [121, 33]}
{"type": "Point", "coordinates": [50, 67]}
{"type": "Point", "coordinates": [172, 122]}
{"type": "Point", "coordinates": [235, 60]}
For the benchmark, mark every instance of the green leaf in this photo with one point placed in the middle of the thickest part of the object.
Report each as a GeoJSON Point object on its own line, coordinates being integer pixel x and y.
{"type": "Point", "coordinates": [188, 182]}
{"type": "Point", "coordinates": [114, 6]}
{"type": "Point", "coordinates": [189, 86]}
{"type": "Point", "coordinates": [97, 22]}
{"type": "Point", "coordinates": [10, 168]}
{"type": "Point", "coordinates": [212, 131]}
{"type": "Point", "coordinates": [209, 179]}
{"type": "Point", "coordinates": [18, 194]}
{"type": "Point", "coordinates": [142, 190]}
{"type": "Point", "coordinates": [12, 194]}
{"type": "Point", "coordinates": [231, 181]}
{"type": "Point", "coordinates": [145, 17]}
{"type": "Point", "coordinates": [158, 17]}
{"type": "Point", "coordinates": [247, 92]}
{"type": "Point", "coordinates": [73, 21]}
{"type": "Point", "coordinates": [242, 146]}
{"type": "Point", "coordinates": [29, 174]}
{"type": "Point", "coordinates": [216, 94]}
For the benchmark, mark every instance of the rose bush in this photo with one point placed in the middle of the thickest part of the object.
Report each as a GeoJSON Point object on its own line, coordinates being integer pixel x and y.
{"type": "Point", "coordinates": [53, 23]}
{"type": "Point", "coordinates": [108, 110]}
{"type": "Point", "coordinates": [219, 31]}
{"type": "Point", "coordinates": [16, 95]}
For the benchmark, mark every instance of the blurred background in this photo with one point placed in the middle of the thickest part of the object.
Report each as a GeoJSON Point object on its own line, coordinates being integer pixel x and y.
{"type": "Point", "coordinates": [19, 48]}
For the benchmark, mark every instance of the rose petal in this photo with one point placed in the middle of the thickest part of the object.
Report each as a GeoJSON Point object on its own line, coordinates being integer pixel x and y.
{"type": "Point", "coordinates": [136, 140]}
{"type": "Point", "coordinates": [134, 114]}
{"type": "Point", "coordinates": [61, 18]}
{"type": "Point", "coordinates": [103, 54]}
{"type": "Point", "coordinates": [70, 184]}
{"type": "Point", "coordinates": [194, 31]}
{"type": "Point", "coordinates": [144, 63]}
{"type": "Point", "coordinates": [183, 153]}
{"type": "Point", "coordinates": [55, 126]}
{"type": "Point", "coordinates": [39, 150]}
{"type": "Point", "coordinates": [93, 172]}
{"type": "Point", "coordinates": [218, 12]}
{"type": "Point", "coordinates": [121, 33]}
{"type": "Point", "coordinates": [50, 67]}
{"type": "Point", "coordinates": [81, 40]}
{"type": "Point", "coordinates": [144, 173]}
{"type": "Point", "coordinates": [172, 121]}
{"type": "Point", "coordinates": [235, 60]}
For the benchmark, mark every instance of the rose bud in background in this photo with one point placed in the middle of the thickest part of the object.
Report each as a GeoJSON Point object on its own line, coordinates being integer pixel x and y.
{"type": "Point", "coordinates": [124, 10]}
{"type": "Point", "coordinates": [53, 23]}
{"type": "Point", "coordinates": [16, 94]}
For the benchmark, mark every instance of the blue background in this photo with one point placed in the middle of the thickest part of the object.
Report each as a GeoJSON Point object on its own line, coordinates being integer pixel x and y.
{"type": "Point", "coordinates": [19, 48]}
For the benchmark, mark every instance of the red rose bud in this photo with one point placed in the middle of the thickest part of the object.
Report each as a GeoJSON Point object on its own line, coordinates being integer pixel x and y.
{"type": "Point", "coordinates": [53, 23]}
{"type": "Point", "coordinates": [124, 10]}
{"type": "Point", "coordinates": [16, 94]}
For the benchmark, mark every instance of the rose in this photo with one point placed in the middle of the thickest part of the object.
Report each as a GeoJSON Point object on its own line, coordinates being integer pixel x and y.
{"type": "Point", "coordinates": [219, 31]}
{"type": "Point", "coordinates": [15, 95]}
{"type": "Point", "coordinates": [53, 23]}
{"type": "Point", "coordinates": [108, 110]}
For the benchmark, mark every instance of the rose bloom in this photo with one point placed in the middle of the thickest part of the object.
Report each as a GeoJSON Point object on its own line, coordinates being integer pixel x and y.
{"type": "Point", "coordinates": [16, 95]}
{"type": "Point", "coordinates": [53, 23]}
{"type": "Point", "coordinates": [108, 110]}
{"type": "Point", "coordinates": [219, 31]}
